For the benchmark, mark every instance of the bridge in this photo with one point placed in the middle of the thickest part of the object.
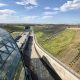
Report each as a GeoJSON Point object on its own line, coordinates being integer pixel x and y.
{"type": "Point", "coordinates": [41, 64]}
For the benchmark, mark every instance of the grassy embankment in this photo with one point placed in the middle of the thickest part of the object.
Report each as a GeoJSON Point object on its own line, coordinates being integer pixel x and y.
{"type": "Point", "coordinates": [55, 44]}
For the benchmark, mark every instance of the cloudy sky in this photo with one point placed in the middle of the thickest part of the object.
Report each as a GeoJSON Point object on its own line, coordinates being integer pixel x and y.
{"type": "Point", "coordinates": [40, 11]}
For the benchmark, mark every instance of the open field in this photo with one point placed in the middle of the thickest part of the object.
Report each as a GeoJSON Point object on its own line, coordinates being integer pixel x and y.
{"type": "Point", "coordinates": [15, 34]}
{"type": "Point", "coordinates": [64, 44]}
{"type": "Point", "coordinates": [15, 30]}
{"type": "Point", "coordinates": [55, 44]}
{"type": "Point", "coordinates": [71, 54]}
{"type": "Point", "coordinates": [12, 28]}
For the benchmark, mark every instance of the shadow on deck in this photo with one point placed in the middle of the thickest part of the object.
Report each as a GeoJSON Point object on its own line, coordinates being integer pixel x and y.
{"type": "Point", "coordinates": [38, 67]}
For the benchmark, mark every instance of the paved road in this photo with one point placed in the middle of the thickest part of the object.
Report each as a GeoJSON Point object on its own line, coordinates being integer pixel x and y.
{"type": "Point", "coordinates": [39, 69]}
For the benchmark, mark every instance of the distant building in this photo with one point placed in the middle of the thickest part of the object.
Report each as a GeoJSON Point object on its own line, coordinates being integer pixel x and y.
{"type": "Point", "coordinates": [27, 26]}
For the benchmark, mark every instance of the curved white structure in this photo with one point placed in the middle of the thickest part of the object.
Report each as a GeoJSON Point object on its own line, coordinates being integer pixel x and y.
{"type": "Point", "coordinates": [9, 56]}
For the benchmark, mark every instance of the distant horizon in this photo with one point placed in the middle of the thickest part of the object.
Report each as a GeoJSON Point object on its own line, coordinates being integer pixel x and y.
{"type": "Point", "coordinates": [42, 23]}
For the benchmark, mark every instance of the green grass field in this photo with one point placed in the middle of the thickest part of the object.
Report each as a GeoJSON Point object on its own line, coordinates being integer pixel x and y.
{"type": "Point", "coordinates": [12, 28]}
{"type": "Point", "coordinates": [15, 34]}
{"type": "Point", "coordinates": [55, 44]}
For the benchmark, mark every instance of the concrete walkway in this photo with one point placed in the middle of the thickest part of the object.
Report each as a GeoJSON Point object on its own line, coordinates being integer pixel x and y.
{"type": "Point", "coordinates": [39, 69]}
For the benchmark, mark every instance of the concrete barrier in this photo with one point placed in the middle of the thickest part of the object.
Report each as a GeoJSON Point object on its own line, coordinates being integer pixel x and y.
{"type": "Point", "coordinates": [61, 69]}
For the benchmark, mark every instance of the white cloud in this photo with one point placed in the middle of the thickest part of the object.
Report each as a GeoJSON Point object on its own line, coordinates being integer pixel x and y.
{"type": "Point", "coordinates": [6, 15]}
{"type": "Point", "coordinates": [56, 9]}
{"type": "Point", "coordinates": [2, 4]}
{"type": "Point", "coordinates": [69, 5]}
{"type": "Point", "coordinates": [29, 4]}
{"type": "Point", "coordinates": [23, 19]}
{"type": "Point", "coordinates": [7, 12]}
{"type": "Point", "coordinates": [49, 12]}
{"type": "Point", "coordinates": [20, 3]}
{"type": "Point", "coordinates": [37, 17]}
{"type": "Point", "coordinates": [3, 16]}
{"type": "Point", "coordinates": [27, 18]}
{"type": "Point", "coordinates": [32, 2]}
{"type": "Point", "coordinates": [9, 19]}
{"type": "Point", "coordinates": [47, 8]}
{"type": "Point", "coordinates": [46, 17]}
{"type": "Point", "coordinates": [29, 7]}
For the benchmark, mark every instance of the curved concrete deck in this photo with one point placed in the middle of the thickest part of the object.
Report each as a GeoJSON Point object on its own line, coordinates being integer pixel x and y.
{"type": "Point", "coordinates": [39, 69]}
